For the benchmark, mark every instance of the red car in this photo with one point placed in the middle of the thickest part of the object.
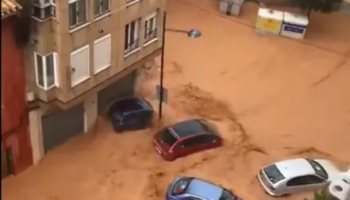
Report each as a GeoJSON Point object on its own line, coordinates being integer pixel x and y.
{"type": "Point", "coordinates": [187, 137]}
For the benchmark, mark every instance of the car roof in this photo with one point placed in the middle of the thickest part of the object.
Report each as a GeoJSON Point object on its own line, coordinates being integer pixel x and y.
{"type": "Point", "coordinates": [204, 189]}
{"type": "Point", "coordinates": [189, 128]}
{"type": "Point", "coordinates": [132, 104]}
{"type": "Point", "coordinates": [295, 167]}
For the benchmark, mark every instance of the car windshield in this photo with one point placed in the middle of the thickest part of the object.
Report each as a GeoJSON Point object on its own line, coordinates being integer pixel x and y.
{"type": "Point", "coordinates": [318, 168]}
{"type": "Point", "coordinates": [273, 174]}
{"type": "Point", "coordinates": [127, 105]}
{"type": "Point", "coordinates": [226, 195]}
{"type": "Point", "coordinates": [167, 137]}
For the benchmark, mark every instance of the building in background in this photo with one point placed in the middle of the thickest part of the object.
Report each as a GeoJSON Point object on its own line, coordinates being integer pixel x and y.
{"type": "Point", "coordinates": [16, 153]}
{"type": "Point", "coordinates": [83, 55]}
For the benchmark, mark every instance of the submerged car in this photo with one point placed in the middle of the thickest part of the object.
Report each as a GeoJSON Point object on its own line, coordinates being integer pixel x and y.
{"type": "Point", "coordinates": [187, 137]}
{"type": "Point", "coordinates": [189, 188]}
{"type": "Point", "coordinates": [299, 175]}
{"type": "Point", "coordinates": [131, 114]}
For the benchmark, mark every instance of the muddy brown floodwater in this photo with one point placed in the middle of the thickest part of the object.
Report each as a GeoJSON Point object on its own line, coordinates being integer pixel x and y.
{"type": "Point", "coordinates": [272, 98]}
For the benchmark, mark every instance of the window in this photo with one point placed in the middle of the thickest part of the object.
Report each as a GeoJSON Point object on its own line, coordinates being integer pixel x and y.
{"type": "Point", "coordinates": [43, 9]}
{"type": "Point", "coordinates": [298, 181]}
{"type": "Point", "coordinates": [102, 53]}
{"type": "Point", "coordinates": [191, 142]}
{"type": "Point", "coordinates": [101, 7]}
{"type": "Point", "coordinates": [131, 37]}
{"type": "Point", "coordinates": [210, 138]}
{"type": "Point", "coordinates": [167, 137]}
{"type": "Point", "coordinates": [314, 180]}
{"type": "Point", "coordinates": [77, 13]}
{"type": "Point", "coordinates": [227, 195]}
{"type": "Point", "coordinates": [318, 168]}
{"type": "Point", "coordinates": [80, 65]}
{"type": "Point", "coordinates": [45, 70]}
{"type": "Point", "coordinates": [151, 27]}
{"type": "Point", "coordinates": [273, 174]}
{"type": "Point", "coordinates": [192, 198]}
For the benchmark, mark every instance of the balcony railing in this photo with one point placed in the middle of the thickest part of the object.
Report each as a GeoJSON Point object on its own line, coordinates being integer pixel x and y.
{"type": "Point", "coordinates": [150, 35]}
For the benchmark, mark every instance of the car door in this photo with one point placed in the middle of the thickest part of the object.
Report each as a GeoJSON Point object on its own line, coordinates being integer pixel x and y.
{"type": "Point", "coordinates": [204, 142]}
{"type": "Point", "coordinates": [212, 141]}
{"type": "Point", "coordinates": [145, 118]}
{"type": "Point", "coordinates": [198, 143]}
{"type": "Point", "coordinates": [185, 147]}
{"type": "Point", "coordinates": [315, 182]}
{"type": "Point", "coordinates": [297, 184]}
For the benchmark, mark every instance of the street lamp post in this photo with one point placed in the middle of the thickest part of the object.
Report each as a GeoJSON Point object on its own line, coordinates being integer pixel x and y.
{"type": "Point", "coordinates": [193, 33]}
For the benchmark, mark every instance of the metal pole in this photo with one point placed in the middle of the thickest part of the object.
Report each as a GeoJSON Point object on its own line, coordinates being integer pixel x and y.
{"type": "Point", "coordinates": [160, 110]}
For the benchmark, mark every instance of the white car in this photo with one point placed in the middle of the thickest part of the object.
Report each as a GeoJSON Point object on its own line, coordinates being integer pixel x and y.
{"type": "Point", "coordinates": [299, 175]}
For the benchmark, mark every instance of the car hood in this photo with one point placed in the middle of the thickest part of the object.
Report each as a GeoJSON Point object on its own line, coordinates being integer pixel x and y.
{"type": "Point", "coordinates": [331, 169]}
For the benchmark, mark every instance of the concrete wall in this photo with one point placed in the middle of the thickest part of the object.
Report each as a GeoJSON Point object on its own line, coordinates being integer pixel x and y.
{"type": "Point", "coordinates": [36, 138]}
{"type": "Point", "coordinates": [91, 112]}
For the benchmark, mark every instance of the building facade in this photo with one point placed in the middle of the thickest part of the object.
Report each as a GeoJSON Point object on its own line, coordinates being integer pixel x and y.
{"type": "Point", "coordinates": [16, 153]}
{"type": "Point", "coordinates": [83, 55]}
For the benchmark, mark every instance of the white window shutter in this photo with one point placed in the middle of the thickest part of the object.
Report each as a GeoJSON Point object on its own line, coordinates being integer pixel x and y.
{"type": "Point", "coordinates": [102, 53]}
{"type": "Point", "coordinates": [80, 65]}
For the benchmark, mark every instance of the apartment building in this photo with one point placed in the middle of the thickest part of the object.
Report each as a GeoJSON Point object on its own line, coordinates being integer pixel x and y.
{"type": "Point", "coordinates": [85, 54]}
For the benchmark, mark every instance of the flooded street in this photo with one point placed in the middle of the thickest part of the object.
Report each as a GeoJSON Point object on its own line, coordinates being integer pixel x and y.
{"type": "Point", "coordinates": [272, 98]}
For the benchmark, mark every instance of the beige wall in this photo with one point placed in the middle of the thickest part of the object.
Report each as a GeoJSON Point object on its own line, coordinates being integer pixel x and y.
{"type": "Point", "coordinates": [54, 35]}
{"type": "Point", "coordinates": [35, 129]}
{"type": "Point", "coordinates": [90, 112]}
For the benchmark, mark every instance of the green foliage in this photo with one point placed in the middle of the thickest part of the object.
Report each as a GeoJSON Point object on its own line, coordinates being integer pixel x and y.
{"type": "Point", "coordinates": [322, 195]}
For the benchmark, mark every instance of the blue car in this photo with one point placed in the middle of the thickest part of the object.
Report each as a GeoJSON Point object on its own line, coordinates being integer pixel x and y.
{"type": "Point", "coordinates": [189, 188]}
{"type": "Point", "coordinates": [131, 114]}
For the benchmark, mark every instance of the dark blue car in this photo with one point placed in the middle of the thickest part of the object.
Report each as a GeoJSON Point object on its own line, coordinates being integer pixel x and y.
{"type": "Point", "coordinates": [131, 114]}
{"type": "Point", "coordinates": [189, 188]}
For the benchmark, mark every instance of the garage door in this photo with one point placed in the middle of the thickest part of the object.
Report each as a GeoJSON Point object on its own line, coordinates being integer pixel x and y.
{"type": "Point", "coordinates": [59, 126]}
{"type": "Point", "coordinates": [122, 88]}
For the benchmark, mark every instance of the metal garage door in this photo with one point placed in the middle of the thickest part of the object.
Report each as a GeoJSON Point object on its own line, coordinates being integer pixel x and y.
{"type": "Point", "coordinates": [124, 87]}
{"type": "Point", "coordinates": [59, 126]}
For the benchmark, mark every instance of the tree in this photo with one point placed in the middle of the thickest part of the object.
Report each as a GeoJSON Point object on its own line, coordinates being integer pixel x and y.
{"type": "Point", "coordinates": [324, 6]}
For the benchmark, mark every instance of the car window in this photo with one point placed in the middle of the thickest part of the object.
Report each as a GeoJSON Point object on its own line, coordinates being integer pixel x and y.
{"type": "Point", "coordinates": [167, 137]}
{"type": "Point", "coordinates": [298, 181]}
{"type": "Point", "coordinates": [191, 142]}
{"type": "Point", "coordinates": [226, 195]}
{"type": "Point", "coordinates": [192, 198]}
{"type": "Point", "coordinates": [273, 174]}
{"type": "Point", "coordinates": [318, 168]}
{"type": "Point", "coordinates": [314, 179]}
{"type": "Point", "coordinates": [210, 138]}
{"type": "Point", "coordinates": [127, 105]}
